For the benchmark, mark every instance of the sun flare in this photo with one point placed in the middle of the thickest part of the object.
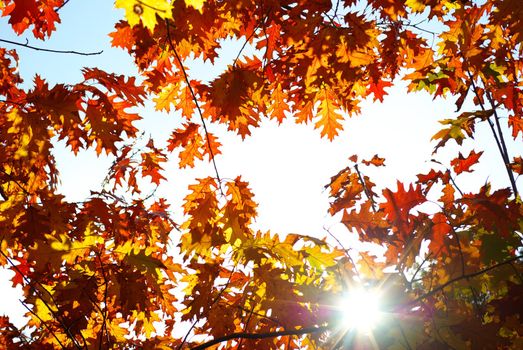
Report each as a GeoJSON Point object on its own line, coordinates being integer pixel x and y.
{"type": "Point", "coordinates": [361, 310]}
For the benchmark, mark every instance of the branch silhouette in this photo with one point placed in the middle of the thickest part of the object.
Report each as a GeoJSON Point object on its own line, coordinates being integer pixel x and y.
{"type": "Point", "coordinates": [71, 52]}
{"type": "Point", "coordinates": [244, 335]}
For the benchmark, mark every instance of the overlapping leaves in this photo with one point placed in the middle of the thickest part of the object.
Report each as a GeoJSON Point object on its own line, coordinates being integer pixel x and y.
{"type": "Point", "coordinates": [99, 273]}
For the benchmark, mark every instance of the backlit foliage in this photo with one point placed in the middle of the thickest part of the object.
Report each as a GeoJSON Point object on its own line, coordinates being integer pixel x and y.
{"type": "Point", "coordinates": [98, 274]}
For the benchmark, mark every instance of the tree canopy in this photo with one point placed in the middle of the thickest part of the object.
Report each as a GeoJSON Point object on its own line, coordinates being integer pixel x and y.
{"type": "Point", "coordinates": [99, 273]}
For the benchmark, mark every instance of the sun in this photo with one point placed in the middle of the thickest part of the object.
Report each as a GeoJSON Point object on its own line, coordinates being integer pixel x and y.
{"type": "Point", "coordinates": [361, 310]}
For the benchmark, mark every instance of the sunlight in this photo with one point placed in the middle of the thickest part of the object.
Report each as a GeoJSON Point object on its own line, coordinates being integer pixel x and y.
{"type": "Point", "coordinates": [361, 310]}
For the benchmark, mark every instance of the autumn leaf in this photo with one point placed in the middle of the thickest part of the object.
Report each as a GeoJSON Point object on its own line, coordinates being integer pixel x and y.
{"type": "Point", "coordinates": [151, 163]}
{"type": "Point", "coordinates": [23, 13]}
{"type": "Point", "coordinates": [516, 123]}
{"type": "Point", "coordinates": [279, 106]}
{"type": "Point", "coordinates": [123, 266]}
{"type": "Point", "coordinates": [378, 89]}
{"type": "Point", "coordinates": [375, 160]}
{"type": "Point", "coordinates": [197, 4]}
{"type": "Point", "coordinates": [440, 230]}
{"type": "Point", "coordinates": [145, 10]}
{"type": "Point", "coordinates": [458, 129]}
{"type": "Point", "coordinates": [517, 165]}
{"type": "Point", "coordinates": [463, 164]}
{"type": "Point", "coordinates": [400, 203]}
{"type": "Point", "coordinates": [328, 115]}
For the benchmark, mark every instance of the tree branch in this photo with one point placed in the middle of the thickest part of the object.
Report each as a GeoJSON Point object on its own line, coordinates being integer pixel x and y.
{"type": "Point", "coordinates": [60, 7]}
{"type": "Point", "coordinates": [188, 82]}
{"type": "Point", "coordinates": [500, 142]}
{"type": "Point", "coordinates": [243, 335]}
{"type": "Point", "coordinates": [365, 188]}
{"type": "Point", "coordinates": [463, 276]}
{"type": "Point", "coordinates": [55, 315]}
{"type": "Point", "coordinates": [71, 52]}
{"type": "Point", "coordinates": [42, 322]}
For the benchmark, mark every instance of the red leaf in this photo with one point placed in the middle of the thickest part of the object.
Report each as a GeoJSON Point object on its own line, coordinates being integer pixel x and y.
{"type": "Point", "coordinates": [440, 229]}
{"type": "Point", "coordinates": [378, 89]}
{"type": "Point", "coordinates": [41, 14]}
{"type": "Point", "coordinates": [398, 206]}
{"type": "Point", "coordinates": [462, 164]}
{"type": "Point", "coordinates": [401, 202]}
{"type": "Point", "coordinates": [21, 271]}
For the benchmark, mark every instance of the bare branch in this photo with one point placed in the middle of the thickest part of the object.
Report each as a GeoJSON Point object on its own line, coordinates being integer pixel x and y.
{"type": "Point", "coordinates": [462, 277]}
{"type": "Point", "coordinates": [71, 52]}
{"type": "Point", "coordinates": [243, 335]}
{"type": "Point", "coordinates": [43, 323]}
{"type": "Point", "coordinates": [188, 82]}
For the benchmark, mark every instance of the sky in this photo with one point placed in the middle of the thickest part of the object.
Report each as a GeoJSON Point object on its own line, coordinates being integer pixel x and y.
{"type": "Point", "coordinates": [287, 165]}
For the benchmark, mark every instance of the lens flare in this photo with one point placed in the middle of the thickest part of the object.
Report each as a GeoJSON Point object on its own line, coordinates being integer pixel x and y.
{"type": "Point", "coordinates": [361, 310]}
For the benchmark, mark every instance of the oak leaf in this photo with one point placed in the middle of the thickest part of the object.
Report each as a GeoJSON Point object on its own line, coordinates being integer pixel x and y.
{"type": "Point", "coordinates": [145, 10]}
{"type": "Point", "coordinates": [328, 115]}
{"type": "Point", "coordinates": [463, 164]}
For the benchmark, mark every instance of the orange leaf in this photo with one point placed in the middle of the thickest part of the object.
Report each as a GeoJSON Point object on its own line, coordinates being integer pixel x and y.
{"type": "Point", "coordinates": [329, 117]}
{"type": "Point", "coordinates": [151, 163]}
{"type": "Point", "coordinates": [440, 229]}
{"type": "Point", "coordinates": [376, 161]}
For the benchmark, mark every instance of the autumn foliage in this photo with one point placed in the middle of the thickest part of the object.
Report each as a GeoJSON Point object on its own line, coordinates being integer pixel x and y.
{"type": "Point", "coordinates": [100, 274]}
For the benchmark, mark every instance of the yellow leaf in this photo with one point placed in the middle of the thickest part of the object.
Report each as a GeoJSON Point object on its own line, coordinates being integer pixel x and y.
{"type": "Point", "coordinates": [167, 95]}
{"type": "Point", "coordinates": [359, 58]}
{"type": "Point", "coordinates": [74, 249]}
{"type": "Point", "coordinates": [146, 263]}
{"type": "Point", "coordinates": [146, 10]}
{"type": "Point", "coordinates": [16, 119]}
{"type": "Point", "coordinates": [22, 150]}
{"type": "Point", "coordinates": [43, 311]}
{"type": "Point", "coordinates": [197, 4]}
{"type": "Point", "coordinates": [116, 330]}
{"type": "Point", "coordinates": [415, 5]}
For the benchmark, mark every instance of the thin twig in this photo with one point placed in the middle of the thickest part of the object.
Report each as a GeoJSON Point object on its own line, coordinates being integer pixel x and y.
{"type": "Point", "coordinates": [456, 279]}
{"type": "Point", "coordinates": [403, 335]}
{"type": "Point", "coordinates": [188, 82]}
{"type": "Point", "coordinates": [11, 177]}
{"type": "Point", "coordinates": [455, 184]}
{"type": "Point", "coordinates": [60, 7]}
{"type": "Point", "coordinates": [104, 313]}
{"type": "Point", "coordinates": [212, 303]}
{"type": "Point", "coordinates": [419, 268]}
{"type": "Point", "coordinates": [40, 296]}
{"type": "Point", "coordinates": [71, 52]}
{"type": "Point", "coordinates": [247, 39]}
{"type": "Point", "coordinates": [367, 191]}
{"type": "Point", "coordinates": [274, 320]}
{"type": "Point", "coordinates": [243, 335]}
{"type": "Point", "coordinates": [500, 142]}
{"type": "Point", "coordinates": [43, 323]}
{"type": "Point", "coordinates": [246, 325]}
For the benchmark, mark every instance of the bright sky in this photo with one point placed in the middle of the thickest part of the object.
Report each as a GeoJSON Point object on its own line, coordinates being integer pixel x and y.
{"type": "Point", "coordinates": [287, 165]}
